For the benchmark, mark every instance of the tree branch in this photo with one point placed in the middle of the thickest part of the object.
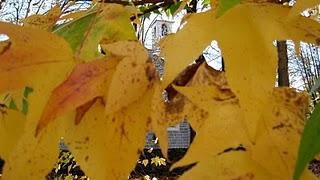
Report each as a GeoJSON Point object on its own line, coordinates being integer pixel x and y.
{"type": "Point", "coordinates": [156, 5]}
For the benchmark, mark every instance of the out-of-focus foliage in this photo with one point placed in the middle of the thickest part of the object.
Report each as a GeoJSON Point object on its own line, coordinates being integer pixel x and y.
{"type": "Point", "coordinates": [94, 84]}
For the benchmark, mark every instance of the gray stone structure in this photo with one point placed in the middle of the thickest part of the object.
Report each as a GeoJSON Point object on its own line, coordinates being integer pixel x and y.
{"type": "Point", "coordinates": [178, 136]}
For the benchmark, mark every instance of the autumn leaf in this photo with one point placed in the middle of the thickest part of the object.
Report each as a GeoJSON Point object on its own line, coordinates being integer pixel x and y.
{"type": "Point", "coordinates": [157, 161]}
{"type": "Point", "coordinates": [251, 64]}
{"type": "Point", "coordinates": [45, 22]}
{"type": "Point", "coordinates": [209, 91]}
{"type": "Point", "coordinates": [21, 66]}
{"type": "Point", "coordinates": [12, 124]}
{"type": "Point", "coordinates": [280, 135]}
{"type": "Point", "coordinates": [145, 162]}
{"type": "Point", "coordinates": [90, 140]}
{"type": "Point", "coordinates": [169, 113]}
{"type": "Point", "coordinates": [301, 6]}
{"type": "Point", "coordinates": [246, 128]}
{"type": "Point", "coordinates": [74, 15]}
{"type": "Point", "coordinates": [87, 81]}
{"type": "Point", "coordinates": [134, 75]}
{"type": "Point", "coordinates": [36, 154]}
{"type": "Point", "coordinates": [231, 165]}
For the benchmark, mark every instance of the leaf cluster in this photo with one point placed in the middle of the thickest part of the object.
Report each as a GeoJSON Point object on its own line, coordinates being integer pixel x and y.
{"type": "Point", "coordinates": [95, 85]}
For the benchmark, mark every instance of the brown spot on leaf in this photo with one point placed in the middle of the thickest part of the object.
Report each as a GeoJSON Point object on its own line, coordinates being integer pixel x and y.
{"type": "Point", "coordinates": [318, 41]}
{"type": "Point", "coordinates": [87, 138]}
{"type": "Point", "coordinates": [247, 176]}
{"type": "Point", "coordinates": [149, 120]}
{"type": "Point", "coordinates": [4, 46]}
{"type": "Point", "coordinates": [139, 152]}
{"type": "Point", "coordinates": [81, 110]}
{"type": "Point", "coordinates": [281, 125]}
{"type": "Point", "coordinates": [123, 131]}
{"type": "Point", "coordinates": [150, 71]}
{"type": "Point", "coordinates": [203, 114]}
{"type": "Point", "coordinates": [239, 148]}
{"type": "Point", "coordinates": [183, 78]}
{"type": "Point", "coordinates": [86, 158]}
{"type": "Point", "coordinates": [300, 101]}
{"type": "Point", "coordinates": [290, 94]}
{"type": "Point", "coordinates": [176, 106]}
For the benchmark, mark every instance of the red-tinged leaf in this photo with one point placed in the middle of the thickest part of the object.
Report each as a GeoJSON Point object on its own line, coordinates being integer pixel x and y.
{"type": "Point", "coordinates": [28, 54]}
{"type": "Point", "coordinates": [83, 109]}
{"type": "Point", "coordinates": [86, 82]}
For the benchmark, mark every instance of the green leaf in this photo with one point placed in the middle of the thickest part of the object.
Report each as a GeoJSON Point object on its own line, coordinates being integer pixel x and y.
{"type": "Point", "coordinates": [86, 33]}
{"type": "Point", "coordinates": [225, 5]}
{"type": "Point", "coordinates": [74, 31]}
{"type": "Point", "coordinates": [142, 8]}
{"type": "Point", "coordinates": [206, 2]}
{"type": "Point", "coordinates": [309, 147]}
{"type": "Point", "coordinates": [157, 11]}
{"type": "Point", "coordinates": [25, 103]}
{"type": "Point", "coordinates": [174, 7]}
{"type": "Point", "coordinates": [25, 106]}
{"type": "Point", "coordinates": [27, 91]}
{"type": "Point", "coordinates": [13, 105]}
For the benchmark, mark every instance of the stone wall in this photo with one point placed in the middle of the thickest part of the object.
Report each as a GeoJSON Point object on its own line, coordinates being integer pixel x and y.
{"type": "Point", "coordinates": [179, 137]}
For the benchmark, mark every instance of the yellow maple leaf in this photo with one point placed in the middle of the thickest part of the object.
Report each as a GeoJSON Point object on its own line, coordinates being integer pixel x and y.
{"type": "Point", "coordinates": [157, 161]}
{"type": "Point", "coordinates": [21, 66]}
{"type": "Point", "coordinates": [145, 162]}
{"type": "Point", "coordinates": [45, 22]}
{"type": "Point", "coordinates": [250, 57]}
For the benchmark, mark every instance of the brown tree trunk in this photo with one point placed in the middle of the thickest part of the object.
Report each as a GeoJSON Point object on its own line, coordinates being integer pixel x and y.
{"type": "Point", "coordinates": [283, 75]}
